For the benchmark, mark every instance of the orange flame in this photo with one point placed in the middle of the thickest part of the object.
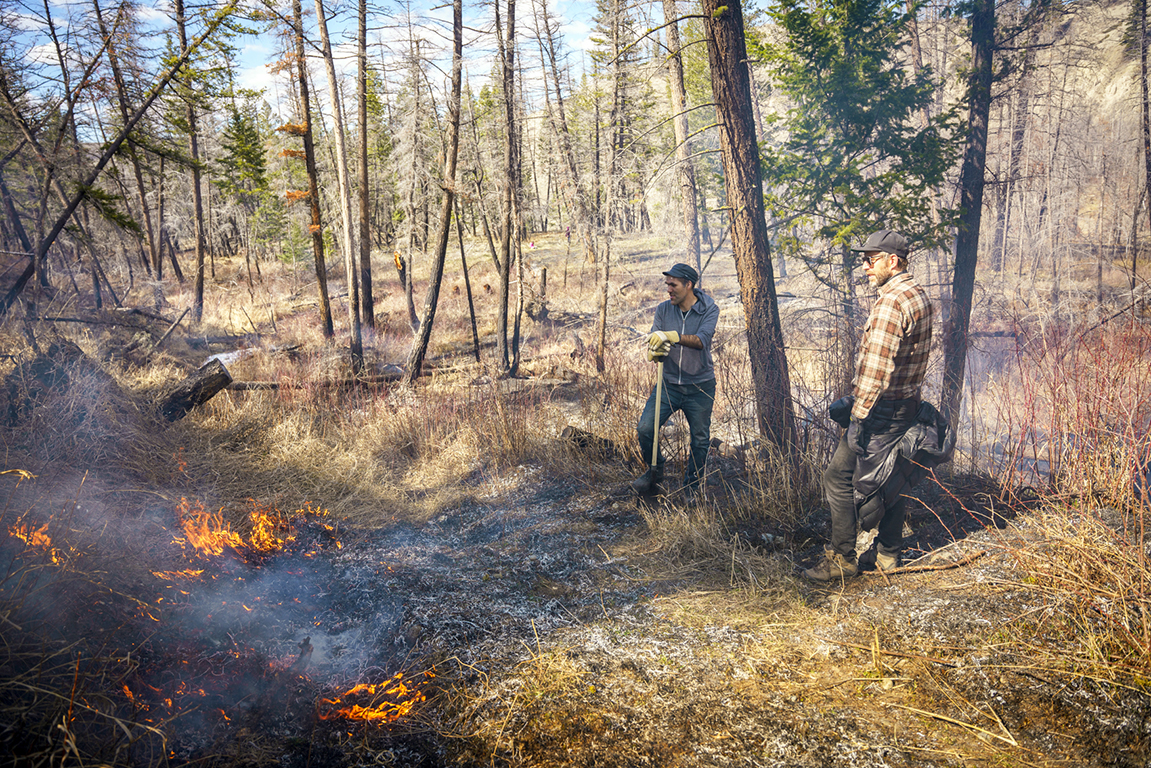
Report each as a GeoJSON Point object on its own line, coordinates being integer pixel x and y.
{"type": "Point", "coordinates": [36, 537]}
{"type": "Point", "coordinates": [187, 573]}
{"type": "Point", "coordinates": [207, 533]}
{"type": "Point", "coordinates": [267, 525]}
{"type": "Point", "coordinates": [33, 538]}
{"type": "Point", "coordinates": [403, 699]}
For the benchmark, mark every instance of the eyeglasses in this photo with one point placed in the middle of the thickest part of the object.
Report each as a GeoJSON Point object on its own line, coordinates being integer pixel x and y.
{"type": "Point", "coordinates": [870, 260]}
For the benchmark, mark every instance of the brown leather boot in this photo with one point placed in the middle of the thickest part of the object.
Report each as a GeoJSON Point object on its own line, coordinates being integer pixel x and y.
{"type": "Point", "coordinates": [832, 566]}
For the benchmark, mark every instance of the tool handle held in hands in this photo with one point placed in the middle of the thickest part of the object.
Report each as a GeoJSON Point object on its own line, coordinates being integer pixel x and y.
{"type": "Point", "coordinates": [658, 400]}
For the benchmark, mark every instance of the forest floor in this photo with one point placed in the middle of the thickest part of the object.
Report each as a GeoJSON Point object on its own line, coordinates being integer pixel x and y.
{"type": "Point", "coordinates": [536, 614]}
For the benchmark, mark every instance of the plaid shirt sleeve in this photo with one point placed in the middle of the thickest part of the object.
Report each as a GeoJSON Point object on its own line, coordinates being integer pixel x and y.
{"type": "Point", "coordinates": [896, 343]}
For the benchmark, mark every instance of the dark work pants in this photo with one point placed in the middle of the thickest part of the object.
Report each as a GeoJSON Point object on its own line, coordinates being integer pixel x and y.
{"type": "Point", "coordinates": [696, 401]}
{"type": "Point", "coordinates": [839, 492]}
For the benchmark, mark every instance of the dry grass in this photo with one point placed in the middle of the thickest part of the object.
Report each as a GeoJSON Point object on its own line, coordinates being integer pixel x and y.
{"type": "Point", "coordinates": [64, 594]}
{"type": "Point", "coordinates": [1094, 572]}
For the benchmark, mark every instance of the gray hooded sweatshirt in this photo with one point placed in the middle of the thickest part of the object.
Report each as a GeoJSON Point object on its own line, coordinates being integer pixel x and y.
{"type": "Point", "coordinates": [685, 365]}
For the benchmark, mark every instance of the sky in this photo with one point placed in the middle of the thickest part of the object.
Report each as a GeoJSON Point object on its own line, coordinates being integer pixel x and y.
{"type": "Point", "coordinates": [388, 39]}
{"type": "Point", "coordinates": [388, 36]}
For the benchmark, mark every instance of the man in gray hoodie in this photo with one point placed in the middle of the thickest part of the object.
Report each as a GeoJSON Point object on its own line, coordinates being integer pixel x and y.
{"type": "Point", "coordinates": [680, 337]}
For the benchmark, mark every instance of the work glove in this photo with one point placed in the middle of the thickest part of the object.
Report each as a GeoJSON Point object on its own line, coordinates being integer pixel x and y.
{"type": "Point", "coordinates": [857, 437]}
{"type": "Point", "coordinates": [660, 338]}
{"type": "Point", "coordinates": [657, 355]}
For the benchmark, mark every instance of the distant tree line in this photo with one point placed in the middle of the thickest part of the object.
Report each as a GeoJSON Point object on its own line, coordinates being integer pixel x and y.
{"type": "Point", "coordinates": [1009, 140]}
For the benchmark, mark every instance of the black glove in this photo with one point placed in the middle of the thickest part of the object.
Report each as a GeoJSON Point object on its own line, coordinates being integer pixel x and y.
{"type": "Point", "coordinates": [857, 437]}
{"type": "Point", "coordinates": [840, 410]}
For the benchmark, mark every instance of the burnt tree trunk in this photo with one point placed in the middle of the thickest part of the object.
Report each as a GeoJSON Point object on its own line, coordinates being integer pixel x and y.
{"type": "Point", "coordinates": [684, 170]}
{"type": "Point", "coordinates": [367, 300]}
{"type": "Point", "coordinates": [727, 54]}
{"type": "Point", "coordinates": [467, 280]}
{"type": "Point", "coordinates": [197, 193]}
{"type": "Point", "coordinates": [509, 227]}
{"type": "Point", "coordinates": [316, 227]}
{"type": "Point", "coordinates": [1146, 104]}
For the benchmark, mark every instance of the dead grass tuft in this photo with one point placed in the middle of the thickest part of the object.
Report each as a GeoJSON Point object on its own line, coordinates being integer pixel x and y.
{"type": "Point", "coordinates": [1093, 570]}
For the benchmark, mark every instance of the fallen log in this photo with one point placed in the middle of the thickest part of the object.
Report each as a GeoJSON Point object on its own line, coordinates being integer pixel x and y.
{"type": "Point", "coordinates": [195, 390]}
{"type": "Point", "coordinates": [255, 386]}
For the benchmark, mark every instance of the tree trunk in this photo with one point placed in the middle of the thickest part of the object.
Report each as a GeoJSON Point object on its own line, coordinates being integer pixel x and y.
{"type": "Point", "coordinates": [727, 54]}
{"type": "Point", "coordinates": [507, 50]}
{"type": "Point", "coordinates": [368, 302]}
{"type": "Point", "coordinates": [345, 193]}
{"type": "Point", "coordinates": [316, 228]}
{"type": "Point", "coordinates": [133, 151]}
{"type": "Point", "coordinates": [577, 196]}
{"type": "Point", "coordinates": [403, 266]}
{"type": "Point", "coordinates": [1144, 88]}
{"type": "Point", "coordinates": [971, 207]}
{"type": "Point", "coordinates": [684, 168]}
{"type": "Point", "coordinates": [614, 184]}
{"type": "Point", "coordinates": [467, 281]}
{"type": "Point", "coordinates": [165, 240]}
{"type": "Point", "coordinates": [431, 298]}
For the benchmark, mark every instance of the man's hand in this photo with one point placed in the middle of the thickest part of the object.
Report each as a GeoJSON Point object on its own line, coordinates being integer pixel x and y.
{"type": "Point", "coordinates": [661, 338]}
{"type": "Point", "coordinates": [657, 355]}
{"type": "Point", "coordinates": [857, 437]}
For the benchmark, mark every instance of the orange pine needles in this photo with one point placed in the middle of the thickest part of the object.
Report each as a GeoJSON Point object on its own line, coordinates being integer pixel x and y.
{"type": "Point", "coordinates": [294, 129]}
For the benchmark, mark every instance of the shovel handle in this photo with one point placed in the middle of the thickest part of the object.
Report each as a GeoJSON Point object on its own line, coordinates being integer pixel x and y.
{"type": "Point", "coordinates": [658, 400]}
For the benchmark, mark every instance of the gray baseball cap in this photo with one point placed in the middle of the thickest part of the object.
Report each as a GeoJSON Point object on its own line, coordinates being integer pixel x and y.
{"type": "Point", "coordinates": [683, 272]}
{"type": "Point", "coordinates": [887, 241]}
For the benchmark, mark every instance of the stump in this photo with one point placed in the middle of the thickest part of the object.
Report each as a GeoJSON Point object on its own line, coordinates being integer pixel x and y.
{"type": "Point", "coordinates": [195, 390]}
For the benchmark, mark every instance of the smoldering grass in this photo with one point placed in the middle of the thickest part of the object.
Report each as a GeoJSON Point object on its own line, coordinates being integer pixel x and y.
{"type": "Point", "coordinates": [63, 698]}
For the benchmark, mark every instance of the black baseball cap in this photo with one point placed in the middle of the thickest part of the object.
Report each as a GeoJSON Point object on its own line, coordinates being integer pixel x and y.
{"type": "Point", "coordinates": [887, 241]}
{"type": "Point", "coordinates": [683, 272]}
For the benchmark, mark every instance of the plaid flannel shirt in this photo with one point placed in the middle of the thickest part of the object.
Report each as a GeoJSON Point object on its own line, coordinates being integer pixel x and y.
{"type": "Point", "coordinates": [896, 342]}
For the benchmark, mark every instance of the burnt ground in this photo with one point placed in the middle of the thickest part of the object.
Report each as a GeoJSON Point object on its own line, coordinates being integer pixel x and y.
{"type": "Point", "coordinates": [540, 629]}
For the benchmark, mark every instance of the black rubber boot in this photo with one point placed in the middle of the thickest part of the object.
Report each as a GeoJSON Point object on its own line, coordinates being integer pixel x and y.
{"type": "Point", "coordinates": [649, 482]}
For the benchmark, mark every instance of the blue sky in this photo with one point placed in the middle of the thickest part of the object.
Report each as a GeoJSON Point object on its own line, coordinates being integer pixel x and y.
{"type": "Point", "coordinates": [388, 39]}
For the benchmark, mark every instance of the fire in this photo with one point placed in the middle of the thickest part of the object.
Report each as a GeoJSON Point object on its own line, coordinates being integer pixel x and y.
{"type": "Point", "coordinates": [401, 699]}
{"type": "Point", "coordinates": [36, 538]}
{"type": "Point", "coordinates": [33, 538]}
{"type": "Point", "coordinates": [187, 573]}
{"type": "Point", "coordinates": [267, 525]}
{"type": "Point", "coordinates": [207, 533]}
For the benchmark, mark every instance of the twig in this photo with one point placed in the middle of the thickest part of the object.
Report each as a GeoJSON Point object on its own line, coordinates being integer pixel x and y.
{"type": "Point", "coordinates": [877, 649]}
{"type": "Point", "coordinates": [923, 568]}
{"type": "Point", "coordinates": [1008, 738]}
{"type": "Point", "coordinates": [171, 328]}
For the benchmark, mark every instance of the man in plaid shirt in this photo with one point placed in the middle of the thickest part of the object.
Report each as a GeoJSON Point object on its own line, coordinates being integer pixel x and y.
{"type": "Point", "coordinates": [888, 380]}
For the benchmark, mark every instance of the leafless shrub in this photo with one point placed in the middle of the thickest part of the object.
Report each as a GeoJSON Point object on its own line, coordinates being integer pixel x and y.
{"type": "Point", "coordinates": [1074, 421]}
